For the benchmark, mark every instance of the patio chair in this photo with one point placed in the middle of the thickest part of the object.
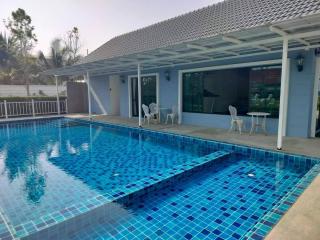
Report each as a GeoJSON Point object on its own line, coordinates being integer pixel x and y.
{"type": "Point", "coordinates": [235, 120]}
{"type": "Point", "coordinates": [146, 113]}
{"type": "Point", "coordinates": [172, 115]}
{"type": "Point", "coordinates": [154, 111]}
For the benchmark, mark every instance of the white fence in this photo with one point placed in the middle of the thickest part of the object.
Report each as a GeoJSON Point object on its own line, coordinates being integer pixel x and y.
{"type": "Point", "coordinates": [32, 108]}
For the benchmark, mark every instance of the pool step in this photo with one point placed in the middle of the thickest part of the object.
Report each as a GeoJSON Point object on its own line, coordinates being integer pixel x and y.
{"type": "Point", "coordinates": [105, 210]}
{"type": "Point", "coordinates": [171, 176]}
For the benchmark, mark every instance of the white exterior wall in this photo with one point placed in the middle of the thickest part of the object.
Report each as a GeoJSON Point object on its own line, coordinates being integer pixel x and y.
{"type": "Point", "coordinates": [21, 91]}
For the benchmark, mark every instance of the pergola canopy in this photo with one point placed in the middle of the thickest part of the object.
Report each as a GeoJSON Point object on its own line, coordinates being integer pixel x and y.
{"type": "Point", "coordinates": [227, 30]}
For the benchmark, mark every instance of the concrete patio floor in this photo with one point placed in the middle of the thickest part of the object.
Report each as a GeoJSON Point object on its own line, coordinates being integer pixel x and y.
{"type": "Point", "coordinates": [302, 221]}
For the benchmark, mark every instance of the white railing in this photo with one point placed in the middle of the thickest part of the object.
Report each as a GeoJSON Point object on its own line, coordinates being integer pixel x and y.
{"type": "Point", "coordinates": [32, 108]}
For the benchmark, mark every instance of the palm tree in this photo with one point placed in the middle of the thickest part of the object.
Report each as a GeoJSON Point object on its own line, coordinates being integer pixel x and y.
{"type": "Point", "coordinates": [57, 56]}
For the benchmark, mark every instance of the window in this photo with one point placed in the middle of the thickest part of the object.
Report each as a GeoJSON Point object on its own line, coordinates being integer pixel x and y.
{"type": "Point", "coordinates": [248, 89]}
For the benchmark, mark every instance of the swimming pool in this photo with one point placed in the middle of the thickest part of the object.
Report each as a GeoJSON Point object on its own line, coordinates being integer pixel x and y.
{"type": "Point", "coordinates": [56, 170]}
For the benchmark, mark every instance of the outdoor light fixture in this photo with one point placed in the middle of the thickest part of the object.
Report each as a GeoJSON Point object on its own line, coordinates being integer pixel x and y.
{"type": "Point", "coordinates": [300, 62]}
{"type": "Point", "coordinates": [122, 79]}
{"type": "Point", "coordinates": [167, 75]}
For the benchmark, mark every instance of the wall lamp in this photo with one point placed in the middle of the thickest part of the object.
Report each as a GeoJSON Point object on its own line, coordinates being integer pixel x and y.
{"type": "Point", "coordinates": [122, 79]}
{"type": "Point", "coordinates": [300, 62]}
{"type": "Point", "coordinates": [167, 75]}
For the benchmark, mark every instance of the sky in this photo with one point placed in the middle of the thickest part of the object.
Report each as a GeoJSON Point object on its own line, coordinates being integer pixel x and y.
{"type": "Point", "coordinates": [98, 20]}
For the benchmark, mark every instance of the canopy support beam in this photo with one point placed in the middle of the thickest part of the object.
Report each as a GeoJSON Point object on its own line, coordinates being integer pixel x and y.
{"type": "Point", "coordinates": [283, 94]}
{"type": "Point", "coordinates": [284, 33]}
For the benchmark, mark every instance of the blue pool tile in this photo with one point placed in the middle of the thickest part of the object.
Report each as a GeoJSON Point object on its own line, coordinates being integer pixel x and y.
{"type": "Point", "coordinates": [205, 232]}
{"type": "Point", "coordinates": [156, 190]}
{"type": "Point", "coordinates": [188, 236]}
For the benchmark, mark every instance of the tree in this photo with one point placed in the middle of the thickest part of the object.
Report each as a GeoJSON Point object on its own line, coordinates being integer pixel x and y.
{"type": "Point", "coordinates": [6, 47]}
{"type": "Point", "coordinates": [23, 39]}
{"type": "Point", "coordinates": [7, 59]}
{"type": "Point", "coordinates": [56, 59]}
{"type": "Point", "coordinates": [57, 56]}
{"type": "Point", "coordinates": [22, 32]}
{"type": "Point", "coordinates": [73, 46]}
{"type": "Point", "coordinates": [62, 52]}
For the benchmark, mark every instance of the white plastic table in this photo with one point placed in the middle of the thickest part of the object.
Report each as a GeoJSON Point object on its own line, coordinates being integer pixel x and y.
{"type": "Point", "coordinates": [255, 123]}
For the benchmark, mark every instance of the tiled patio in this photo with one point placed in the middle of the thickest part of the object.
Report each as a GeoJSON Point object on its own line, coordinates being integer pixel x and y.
{"type": "Point", "coordinates": [302, 221]}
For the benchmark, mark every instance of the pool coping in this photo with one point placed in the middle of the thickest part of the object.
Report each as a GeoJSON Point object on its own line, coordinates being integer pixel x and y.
{"type": "Point", "coordinates": [89, 204]}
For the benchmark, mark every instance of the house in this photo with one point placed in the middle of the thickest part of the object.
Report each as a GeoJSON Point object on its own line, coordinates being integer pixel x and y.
{"type": "Point", "coordinates": [258, 55]}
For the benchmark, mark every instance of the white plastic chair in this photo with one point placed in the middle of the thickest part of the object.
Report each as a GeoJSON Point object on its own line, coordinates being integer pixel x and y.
{"type": "Point", "coordinates": [146, 113]}
{"type": "Point", "coordinates": [235, 120]}
{"type": "Point", "coordinates": [172, 115]}
{"type": "Point", "coordinates": [154, 110]}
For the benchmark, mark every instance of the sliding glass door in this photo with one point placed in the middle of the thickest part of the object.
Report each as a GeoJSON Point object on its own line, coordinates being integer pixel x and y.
{"type": "Point", "coordinates": [148, 92]}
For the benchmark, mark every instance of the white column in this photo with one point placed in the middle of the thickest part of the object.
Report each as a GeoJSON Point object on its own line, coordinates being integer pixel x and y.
{"type": "Point", "coordinates": [283, 93]}
{"type": "Point", "coordinates": [58, 100]}
{"type": "Point", "coordinates": [179, 98]}
{"type": "Point", "coordinates": [139, 94]}
{"type": "Point", "coordinates": [285, 112]}
{"type": "Point", "coordinates": [315, 98]}
{"type": "Point", "coordinates": [89, 94]}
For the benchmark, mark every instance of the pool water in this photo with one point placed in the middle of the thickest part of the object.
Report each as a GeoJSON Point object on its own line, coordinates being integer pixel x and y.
{"type": "Point", "coordinates": [48, 165]}
{"type": "Point", "coordinates": [61, 169]}
{"type": "Point", "coordinates": [222, 202]}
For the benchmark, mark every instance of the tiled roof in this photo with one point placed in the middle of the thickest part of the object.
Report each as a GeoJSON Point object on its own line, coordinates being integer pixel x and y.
{"type": "Point", "coordinates": [221, 18]}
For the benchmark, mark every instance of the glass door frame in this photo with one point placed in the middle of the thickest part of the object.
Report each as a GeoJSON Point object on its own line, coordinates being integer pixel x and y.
{"type": "Point", "coordinates": [130, 77]}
